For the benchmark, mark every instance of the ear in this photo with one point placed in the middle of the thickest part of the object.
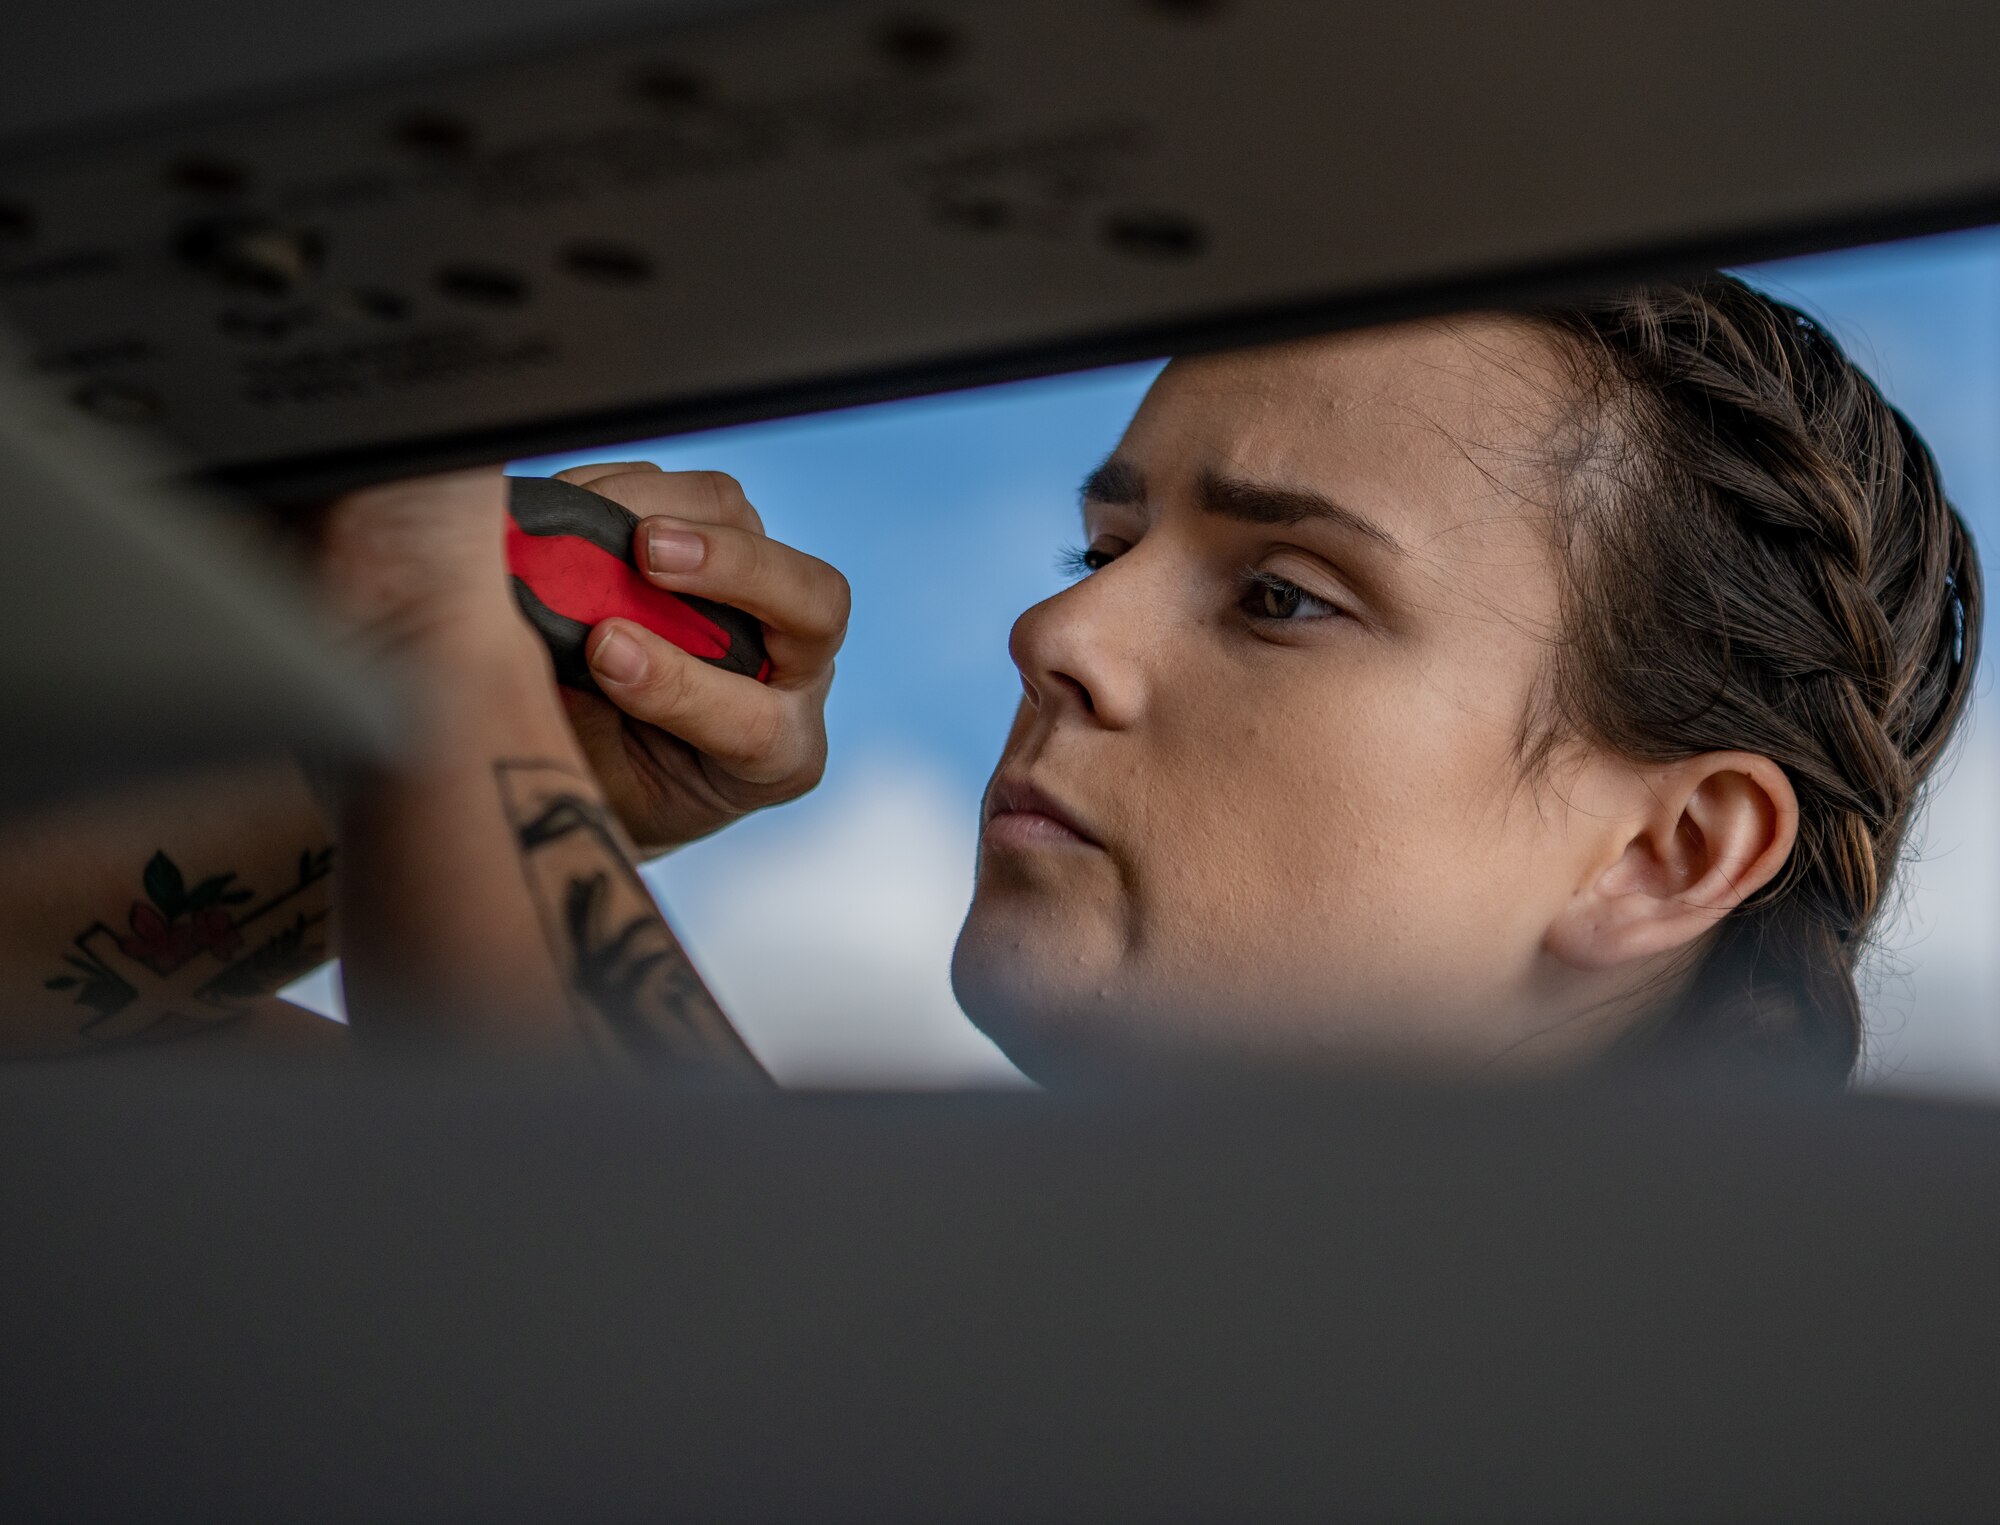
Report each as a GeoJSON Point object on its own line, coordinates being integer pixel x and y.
{"type": "Point", "coordinates": [1704, 835]}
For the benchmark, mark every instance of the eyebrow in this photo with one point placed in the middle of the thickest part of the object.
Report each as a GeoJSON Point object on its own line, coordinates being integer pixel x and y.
{"type": "Point", "coordinates": [1119, 483]}
{"type": "Point", "coordinates": [1115, 482]}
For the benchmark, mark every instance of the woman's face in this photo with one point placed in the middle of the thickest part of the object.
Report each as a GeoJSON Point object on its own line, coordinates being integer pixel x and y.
{"type": "Point", "coordinates": [1281, 716]}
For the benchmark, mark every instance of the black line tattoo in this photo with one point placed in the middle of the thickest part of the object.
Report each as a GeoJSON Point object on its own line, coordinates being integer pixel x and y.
{"type": "Point", "coordinates": [627, 974]}
{"type": "Point", "coordinates": [189, 962]}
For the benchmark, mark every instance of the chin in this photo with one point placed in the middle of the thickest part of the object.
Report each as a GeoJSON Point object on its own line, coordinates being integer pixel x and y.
{"type": "Point", "coordinates": [1055, 1034]}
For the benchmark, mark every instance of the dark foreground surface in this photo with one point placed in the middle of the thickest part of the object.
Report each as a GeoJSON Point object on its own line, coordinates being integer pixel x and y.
{"type": "Point", "coordinates": [257, 1296]}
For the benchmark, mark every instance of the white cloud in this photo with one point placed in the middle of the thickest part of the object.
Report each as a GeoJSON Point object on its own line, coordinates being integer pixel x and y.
{"type": "Point", "coordinates": [826, 931]}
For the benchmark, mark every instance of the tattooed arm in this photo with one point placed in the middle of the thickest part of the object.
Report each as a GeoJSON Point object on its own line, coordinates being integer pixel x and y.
{"type": "Point", "coordinates": [634, 993]}
{"type": "Point", "coordinates": [488, 898]}
{"type": "Point", "coordinates": [165, 914]}
{"type": "Point", "coordinates": [175, 911]}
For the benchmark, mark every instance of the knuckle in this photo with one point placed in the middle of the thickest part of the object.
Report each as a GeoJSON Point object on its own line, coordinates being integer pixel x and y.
{"type": "Point", "coordinates": [839, 599]}
{"type": "Point", "coordinates": [620, 486]}
{"type": "Point", "coordinates": [809, 776]}
{"type": "Point", "coordinates": [724, 500]}
{"type": "Point", "coordinates": [721, 491]}
{"type": "Point", "coordinates": [598, 471]}
{"type": "Point", "coordinates": [761, 733]}
{"type": "Point", "coordinates": [825, 602]}
{"type": "Point", "coordinates": [750, 742]}
{"type": "Point", "coordinates": [734, 555]}
{"type": "Point", "coordinates": [668, 687]}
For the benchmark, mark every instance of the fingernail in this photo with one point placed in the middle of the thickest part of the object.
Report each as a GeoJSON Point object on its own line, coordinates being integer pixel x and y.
{"type": "Point", "coordinates": [669, 550]}
{"type": "Point", "coordinates": [618, 659]}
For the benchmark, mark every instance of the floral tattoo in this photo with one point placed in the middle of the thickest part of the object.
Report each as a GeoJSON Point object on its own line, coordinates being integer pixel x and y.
{"type": "Point", "coordinates": [193, 957]}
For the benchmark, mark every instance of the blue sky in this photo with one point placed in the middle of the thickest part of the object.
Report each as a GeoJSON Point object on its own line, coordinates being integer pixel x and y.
{"type": "Point", "coordinates": [947, 514]}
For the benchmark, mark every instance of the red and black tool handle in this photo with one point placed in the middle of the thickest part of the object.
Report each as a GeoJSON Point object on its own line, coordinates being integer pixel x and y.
{"type": "Point", "coordinates": [570, 552]}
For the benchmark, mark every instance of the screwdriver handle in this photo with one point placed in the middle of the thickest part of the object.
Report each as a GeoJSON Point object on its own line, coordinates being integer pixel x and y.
{"type": "Point", "coordinates": [569, 551]}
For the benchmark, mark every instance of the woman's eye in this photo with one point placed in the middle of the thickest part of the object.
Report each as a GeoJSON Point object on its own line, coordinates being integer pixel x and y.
{"type": "Point", "coordinates": [1081, 561]}
{"type": "Point", "coordinates": [1271, 597]}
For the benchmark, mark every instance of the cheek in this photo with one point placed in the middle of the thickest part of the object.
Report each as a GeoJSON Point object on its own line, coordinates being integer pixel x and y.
{"type": "Point", "coordinates": [1331, 832]}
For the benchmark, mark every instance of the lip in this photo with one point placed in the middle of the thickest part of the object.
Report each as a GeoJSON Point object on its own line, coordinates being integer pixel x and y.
{"type": "Point", "coordinates": [1020, 813]}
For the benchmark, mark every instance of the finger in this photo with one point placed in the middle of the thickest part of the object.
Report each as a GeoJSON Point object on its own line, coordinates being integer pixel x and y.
{"type": "Point", "coordinates": [583, 476]}
{"type": "Point", "coordinates": [756, 733]}
{"type": "Point", "coordinates": [703, 497]}
{"type": "Point", "coordinates": [802, 602]}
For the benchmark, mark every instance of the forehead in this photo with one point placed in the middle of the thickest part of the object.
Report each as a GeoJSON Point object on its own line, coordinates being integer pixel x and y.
{"type": "Point", "coordinates": [1399, 420]}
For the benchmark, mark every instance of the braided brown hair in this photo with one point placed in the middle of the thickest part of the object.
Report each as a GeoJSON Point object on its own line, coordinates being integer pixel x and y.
{"type": "Point", "coordinates": [1762, 559]}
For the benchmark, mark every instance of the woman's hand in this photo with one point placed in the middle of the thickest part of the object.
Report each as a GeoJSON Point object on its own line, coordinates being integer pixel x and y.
{"type": "Point", "coordinates": [684, 748]}
{"type": "Point", "coordinates": [681, 748]}
{"type": "Point", "coordinates": [487, 898]}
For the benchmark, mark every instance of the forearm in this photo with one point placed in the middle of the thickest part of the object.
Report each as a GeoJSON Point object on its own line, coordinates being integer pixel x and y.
{"type": "Point", "coordinates": [489, 900]}
{"type": "Point", "coordinates": [165, 912]}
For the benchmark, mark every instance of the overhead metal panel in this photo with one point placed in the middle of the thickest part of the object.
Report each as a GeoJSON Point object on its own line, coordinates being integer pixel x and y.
{"type": "Point", "coordinates": [628, 234]}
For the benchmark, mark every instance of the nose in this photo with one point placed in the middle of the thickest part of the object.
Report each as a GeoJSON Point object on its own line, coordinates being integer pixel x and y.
{"type": "Point", "coordinates": [1078, 652]}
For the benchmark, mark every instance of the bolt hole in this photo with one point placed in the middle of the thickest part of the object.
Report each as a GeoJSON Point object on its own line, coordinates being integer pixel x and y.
{"type": "Point", "coordinates": [1187, 10]}
{"type": "Point", "coordinates": [435, 134]}
{"type": "Point", "coordinates": [671, 86]}
{"type": "Point", "coordinates": [1155, 235]}
{"type": "Point", "coordinates": [918, 43]}
{"type": "Point", "coordinates": [487, 285]}
{"type": "Point", "coordinates": [253, 252]}
{"type": "Point", "coordinates": [263, 327]}
{"type": "Point", "coordinates": [17, 223]}
{"type": "Point", "coordinates": [374, 302]}
{"type": "Point", "coordinates": [611, 264]}
{"type": "Point", "coordinates": [206, 175]}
